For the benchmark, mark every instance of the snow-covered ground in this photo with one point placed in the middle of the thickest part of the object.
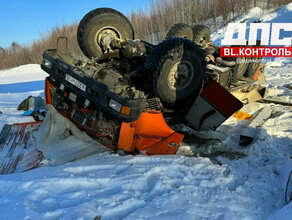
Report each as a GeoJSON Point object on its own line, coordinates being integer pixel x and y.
{"type": "Point", "coordinates": [157, 187]}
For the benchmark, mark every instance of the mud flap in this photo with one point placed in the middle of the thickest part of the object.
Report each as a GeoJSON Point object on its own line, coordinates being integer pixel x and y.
{"type": "Point", "coordinates": [212, 107]}
{"type": "Point", "coordinates": [149, 134]}
{"type": "Point", "coordinates": [18, 152]}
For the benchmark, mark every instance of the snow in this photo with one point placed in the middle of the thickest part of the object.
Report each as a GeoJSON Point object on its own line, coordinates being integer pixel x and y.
{"type": "Point", "coordinates": [25, 73]}
{"type": "Point", "coordinates": [163, 187]}
{"type": "Point", "coordinates": [255, 12]}
{"type": "Point", "coordinates": [289, 7]}
{"type": "Point", "coordinates": [243, 183]}
{"type": "Point", "coordinates": [15, 85]}
{"type": "Point", "coordinates": [284, 214]}
{"type": "Point", "coordinates": [18, 83]}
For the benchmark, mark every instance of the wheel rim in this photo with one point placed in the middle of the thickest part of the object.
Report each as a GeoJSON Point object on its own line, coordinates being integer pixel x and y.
{"type": "Point", "coordinates": [256, 64]}
{"type": "Point", "coordinates": [202, 40]}
{"type": "Point", "coordinates": [242, 65]}
{"type": "Point", "coordinates": [104, 32]}
{"type": "Point", "coordinates": [180, 75]}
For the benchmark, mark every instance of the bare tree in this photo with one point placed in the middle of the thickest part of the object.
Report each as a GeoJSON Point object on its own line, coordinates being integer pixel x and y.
{"type": "Point", "coordinates": [150, 25]}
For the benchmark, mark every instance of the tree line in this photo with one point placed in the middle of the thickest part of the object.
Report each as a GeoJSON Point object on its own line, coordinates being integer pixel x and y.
{"type": "Point", "coordinates": [153, 24]}
{"type": "Point", "coordinates": [150, 24]}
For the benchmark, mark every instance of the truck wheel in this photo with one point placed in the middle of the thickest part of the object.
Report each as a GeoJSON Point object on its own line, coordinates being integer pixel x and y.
{"type": "Point", "coordinates": [252, 67]}
{"type": "Point", "coordinates": [99, 23]}
{"type": "Point", "coordinates": [180, 30]}
{"type": "Point", "coordinates": [239, 70]}
{"type": "Point", "coordinates": [201, 34]}
{"type": "Point", "coordinates": [179, 71]}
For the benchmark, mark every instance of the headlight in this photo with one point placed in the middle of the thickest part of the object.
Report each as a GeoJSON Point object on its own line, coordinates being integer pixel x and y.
{"type": "Point", "coordinates": [47, 63]}
{"type": "Point", "coordinates": [124, 110]}
{"type": "Point", "coordinates": [115, 105]}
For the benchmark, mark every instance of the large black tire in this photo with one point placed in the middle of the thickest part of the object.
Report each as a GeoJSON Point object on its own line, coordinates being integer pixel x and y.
{"type": "Point", "coordinates": [239, 69]}
{"type": "Point", "coordinates": [252, 68]}
{"type": "Point", "coordinates": [96, 24]}
{"type": "Point", "coordinates": [180, 30]}
{"type": "Point", "coordinates": [179, 68]}
{"type": "Point", "coordinates": [201, 34]}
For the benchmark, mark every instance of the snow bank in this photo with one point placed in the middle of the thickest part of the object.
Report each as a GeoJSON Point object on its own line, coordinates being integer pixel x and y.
{"type": "Point", "coordinates": [289, 7]}
{"type": "Point", "coordinates": [16, 85]}
{"type": "Point", "coordinates": [25, 73]}
{"type": "Point", "coordinates": [255, 12]}
{"type": "Point", "coordinates": [165, 187]}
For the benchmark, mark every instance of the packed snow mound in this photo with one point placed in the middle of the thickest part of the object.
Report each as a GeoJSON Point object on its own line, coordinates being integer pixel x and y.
{"type": "Point", "coordinates": [169, 187]}
{"type": "Point", "coordinates": [18, 83]}
{"type": "Point", "coordinates": [255, 12]}
{"type": "Point", "coordinates": [25, 73]}
{"type": "Point", "coordinates": [289, 7]}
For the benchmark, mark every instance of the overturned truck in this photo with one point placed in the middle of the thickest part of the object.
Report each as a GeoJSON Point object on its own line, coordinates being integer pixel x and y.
{"type": "Point", "coordinates": [129, 93]}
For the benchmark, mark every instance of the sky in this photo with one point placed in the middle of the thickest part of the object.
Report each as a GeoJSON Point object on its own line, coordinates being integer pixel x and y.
{"type": "Point", "coordinates": [24, 21]}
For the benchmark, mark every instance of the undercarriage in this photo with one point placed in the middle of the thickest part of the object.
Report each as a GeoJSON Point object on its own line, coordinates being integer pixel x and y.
{"type": "Point", "coordinates": [127, 83]}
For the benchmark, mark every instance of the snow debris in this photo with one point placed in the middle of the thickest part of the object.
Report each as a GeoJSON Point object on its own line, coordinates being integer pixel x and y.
{"type": "Point", "coordinates": [269, 16]}
{"type": "Point", "coordinates": [289, 7]}
{"type": "Point", "coordinates": [255, 12]}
